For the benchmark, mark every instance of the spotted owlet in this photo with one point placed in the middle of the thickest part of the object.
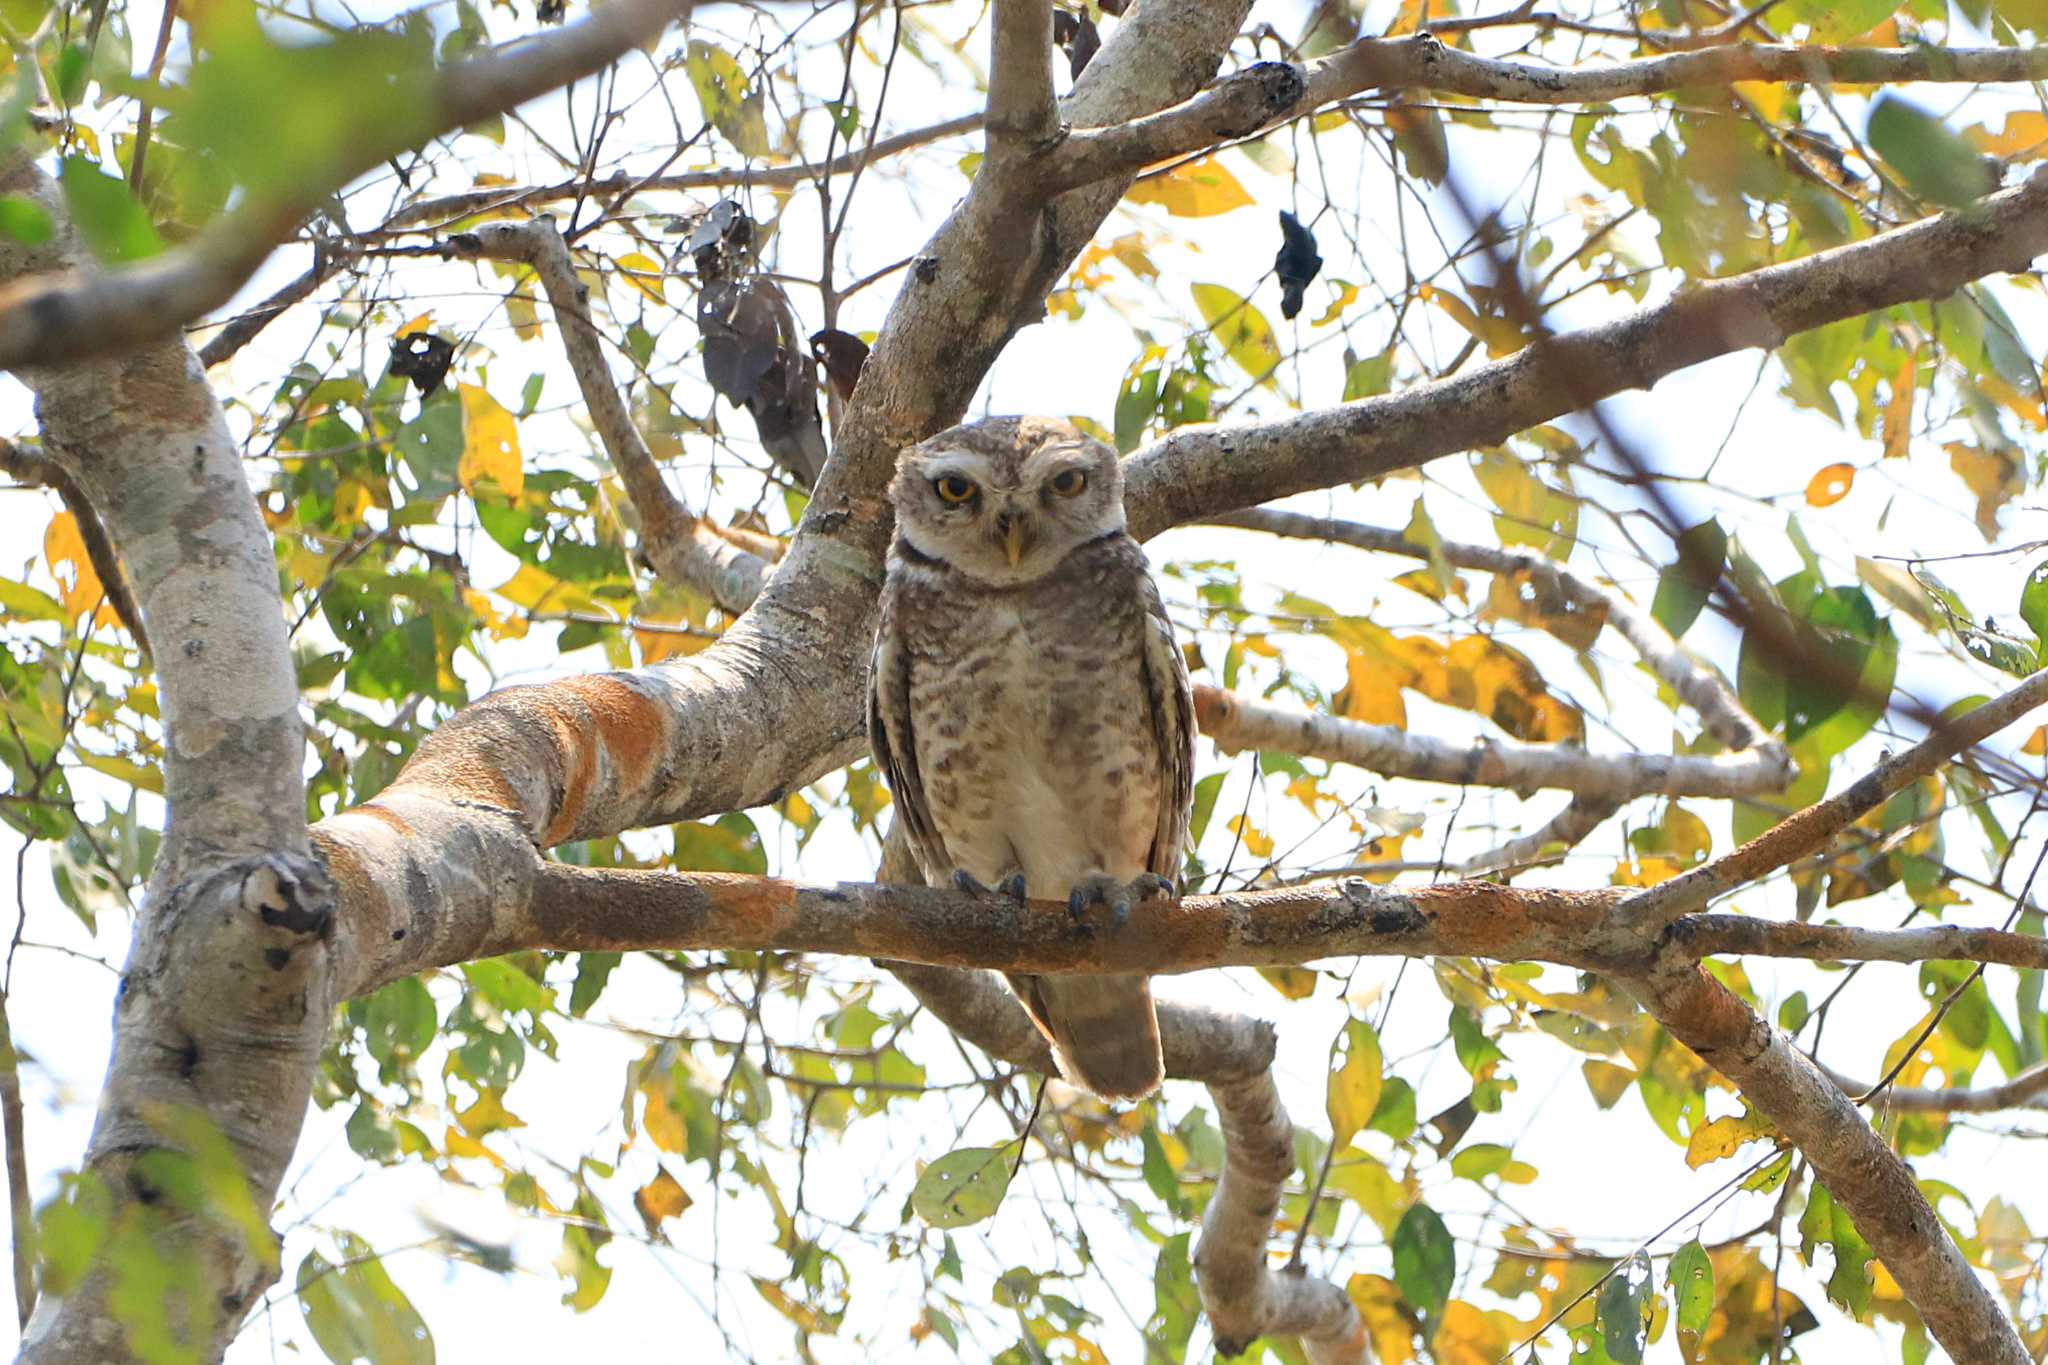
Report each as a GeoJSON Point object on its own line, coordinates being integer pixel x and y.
{"type": "Point", "coordinates": [1030, 709]}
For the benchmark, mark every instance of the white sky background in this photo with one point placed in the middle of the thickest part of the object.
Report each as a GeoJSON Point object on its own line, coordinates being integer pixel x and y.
{"type": "Point", "coordinates": [1610, 1179]}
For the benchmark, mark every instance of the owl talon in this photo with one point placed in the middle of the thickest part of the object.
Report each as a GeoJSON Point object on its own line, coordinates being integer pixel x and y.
{"type": "Point", "coordinates": [1011, 886]}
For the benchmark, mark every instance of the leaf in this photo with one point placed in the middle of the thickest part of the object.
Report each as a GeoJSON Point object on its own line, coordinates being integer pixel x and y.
{"type": "Point", "coordinates": [23, 219]}
{"type": "Point", "coordinates": [644, 273]}
{"type": "Point", "coordinates": [1934, 161]}
{"type": "Point", "coordinates": [964, 1186]}
{"type": "Point", "coordinates": [2034, 602]}
{"type": "Point", "coordinates": [490, 444]}
{"type": "Point", "coordinates": [1193, 189]}
{"type": "Point", "coordinates": [1723, 1136]}
{"type": "Point", "coordinates": [114, 225]}
{"type": "Point", "coordinates": [1683, 587]}
{"type": "Point", "coordinates": [78, 584]}
{"type": "Point", "coordinates": [1425, 1260]}
{"type": "Point", "coordinates": [1369, 377]}
{"type": "Point", "coordinates": [355, 1312]}
{"type": "Point", "coordinates": [1623, 1309]}
{"type": "Point", "coordinates": [660, 1198]}
{"type": "Point", "coordinates": [1691, 1277]}
{"type": "Point", "coordinates": [1825, 1221]}
{"type": "Point", "coordinates": [1243, 331]}
{"type": "Point", "coordinates": [1835, 21]}
{"type": "Point", "coordinates": [1294, 983]}
{"type": "Point", "coordinates": [1830, 485]}
{"type": "Point", "coordinates": [1355, 1081]}
{"type": "Point", "coordinates": [729, 104]}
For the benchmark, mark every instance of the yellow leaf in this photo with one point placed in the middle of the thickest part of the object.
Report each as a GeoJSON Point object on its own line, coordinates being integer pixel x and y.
{"type": "Point", "coordinates": [418, 324]}
{"type": "Point", "coordinates": [2025, 134]}
{"type": "Point", "coordinates": [1898, 410]}
{"type": "Point", "coordinates": [488, 1115]}
{"type": "Point", "coordinates": [644, 273]}
{"type": "Point", "coordinates": [148, 777]}
{"type": "Point", "coordinates": [663, 1124]}
{"type": "Point", "coordinates": [1379, 1304]}
{"type": "Point", "coordinates": [661, 1198]}
{"type": "Point", "coordinates": [1470, 1336]}
{"type": "Point", "coordinates": [1296, 983]}
{"type": "Point", "coordinates": [500, 625]}
{"type": "Point", "coordinates": [1078, 1348]}
{"type": "Point", "coordinates": [538, 590]}
{"type": "Point", "coordinates": [1258, 843]}
{"type": "Point", "coordinates": [1193, 189]}
{"type": "Point", "coordinates": [1830, 485]}
{"type": "Point", "coordinates": [2037, 743]}
{"type": "Point", "coordinates": [1242, 329]}
{"type": "Point", "coordinates": [1721, 1137]}
{"type": "Point", "coordinates": [1354, 1085]}
{"type": "Point", "coordinates": [490, 444]}
{"type": "Point", "coordinates": [1607, 1081]}
{"type": "Point", "coordinates": [1500, 335]}
{"type": "Point", "coordinates": [1347, 294]}
{"type": "Point", "coordinates": [77, 582]}
{"type": "Point", "coordinates": [1769, 98]}
{"type": "Point", "coordinates": [1371, 694]}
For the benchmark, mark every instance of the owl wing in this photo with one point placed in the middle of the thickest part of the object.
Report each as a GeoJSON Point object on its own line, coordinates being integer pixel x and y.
{"type": "Point", "coordinates": [894, 742]}
{"type": "Point", "coordinates": [1171, 702]}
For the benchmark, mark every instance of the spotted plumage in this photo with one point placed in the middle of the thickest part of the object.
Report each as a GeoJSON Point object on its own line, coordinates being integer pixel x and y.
{"type": "Point", "coordinates": [1030, 709]}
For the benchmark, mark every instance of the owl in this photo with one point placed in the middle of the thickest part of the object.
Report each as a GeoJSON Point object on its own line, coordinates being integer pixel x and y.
{"type": "Point", "coordinates": [1030, 710]}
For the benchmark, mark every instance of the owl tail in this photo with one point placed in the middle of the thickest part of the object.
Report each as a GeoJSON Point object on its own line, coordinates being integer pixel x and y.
{"type": "Point", "coordinates": [1102, 1029]}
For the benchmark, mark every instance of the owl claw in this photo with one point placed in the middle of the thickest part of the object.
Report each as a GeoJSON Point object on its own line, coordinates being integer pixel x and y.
{"type": "Point", "coordinates": [1011, 886]}
{"type": "Point", "coordinates": [1099, 888]}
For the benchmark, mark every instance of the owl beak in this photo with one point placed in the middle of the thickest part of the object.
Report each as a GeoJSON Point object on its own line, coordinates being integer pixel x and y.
{"type": "Point", "coordinates": [1015, 535]}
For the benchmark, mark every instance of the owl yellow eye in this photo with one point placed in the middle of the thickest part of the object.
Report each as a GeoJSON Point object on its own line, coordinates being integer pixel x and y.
{"type": "Point", "coordinates": [952, 488]}
{"type": "Point", "coordinates": [1068, 482]}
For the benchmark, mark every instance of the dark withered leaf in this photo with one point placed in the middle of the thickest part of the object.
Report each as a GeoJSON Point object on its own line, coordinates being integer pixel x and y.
{"type": "Point", "coordinates": [1297, 263]}
{"type": "Point", "coordinates": [423, 358]}
{"type": "Point", "coordinates": [842, 354]}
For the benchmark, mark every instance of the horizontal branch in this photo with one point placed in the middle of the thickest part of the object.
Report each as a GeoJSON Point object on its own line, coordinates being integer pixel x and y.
{"type": "Point", "coordinates": [45, 320]}
{"type": "Point", "coordinates": [1810, 829]}
{"type": "Point", "coordinates": [1235, 723]}
{"type": "Point", "coordinates": [2028, 1090]}
{"type": "Point", "coordinates": [1704, 935]}
{"type": "Point", "coordinates": [1268, 93]}
{"type": "Point", "coordinates": [1696, 684]}
{"type": "Point", "coordinates": [1200, 472]}
{"type": "Point", "coordinates": [450, 209]}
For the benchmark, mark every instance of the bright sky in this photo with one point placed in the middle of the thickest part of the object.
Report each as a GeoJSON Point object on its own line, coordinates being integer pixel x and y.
{"type": "Point", "coordinates": [1611, 1179]}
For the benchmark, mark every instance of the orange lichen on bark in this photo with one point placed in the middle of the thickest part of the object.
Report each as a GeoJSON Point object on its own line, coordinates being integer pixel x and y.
{"type": "Point", "coordinates": [619, 726]}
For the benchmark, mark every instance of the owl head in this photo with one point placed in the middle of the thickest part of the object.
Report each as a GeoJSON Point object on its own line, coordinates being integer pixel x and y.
{"type": "Point", "coordinates": [1003, 501]}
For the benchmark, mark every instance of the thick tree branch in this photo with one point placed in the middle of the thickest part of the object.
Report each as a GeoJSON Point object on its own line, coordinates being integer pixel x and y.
{"type": "Point", "coordinates": [50, 319]}
{"type": "Point", "coordinates": [1810, 829]}
{"type": "Point", "coordinates": [683, 548]}
{"type": "Point", "coordinates": [1201, 472]}
{"type": "Point", "coordinates": [1022, 116]}
{"type": "Point", "coordinates": [1863, 1174]}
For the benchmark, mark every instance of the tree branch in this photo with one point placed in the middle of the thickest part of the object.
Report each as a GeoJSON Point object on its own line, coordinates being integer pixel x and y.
{"type": "Point", "coordinates": [1260, 96]}
{"type": "Point", "coordinates": [683, 548]}
{"type": "Point", "coordinates": [1863, 1174]}
{"type": "Point", "coordinates": [1200, 472]}
{"type": "Point", "coordinates": [1706, 935]}
{"type": "Point", "coordinates": [1699, 686]}
{"type": "Point", "coordinates": [48, 320]}
{"type": "Point", "coordinates": [2024, 1091]}
{"type": "Point", "coordinates": [1021, 115]}
{"type": "Point", "coordinates": [1804, 832]}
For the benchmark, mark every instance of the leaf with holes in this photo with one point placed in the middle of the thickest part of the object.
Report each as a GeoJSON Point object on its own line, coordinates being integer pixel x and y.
{"type": "Point", "coordinates": [962, 1187]}
{"type": "Point", "coordinates": [1355, 1081]}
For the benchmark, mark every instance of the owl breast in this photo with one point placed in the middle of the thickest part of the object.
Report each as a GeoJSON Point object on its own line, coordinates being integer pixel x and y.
{"type": "Point", "coordinates": [1031, 720]}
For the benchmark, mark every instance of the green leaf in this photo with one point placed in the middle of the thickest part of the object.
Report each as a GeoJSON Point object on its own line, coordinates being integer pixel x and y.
{"type": "Point", "coordinates": [1825, 1221]}
{"type": "Point", "coordinates": [964, 1186]}
{"type": "Point", "coordinates": [23, 219]}
{"type": "Point", "coordinates": [1683, 587]}
{"type": "Point", "coordinates": [2034, 602]}
{"type": "Point", "coordinates": [114, 226]}
{"type": "Point", "coordinates": [1395, 1115]}
{"type": "Point", "coordinates": [1135, 405]}
{"type": "Point", "coordinates": [1243, 331]}
{"type": "Point", "coordinates": [729, 103]}
{"type": "Point", "coordinates": [400, 1020]}
{"type": "Point", "coordinates": [1691, 1277]}
{"type": "Point", "coordinates": [1425, 1260]}
{"type": "Point", "coordinates": [1835, 21]}
{"type": "Point", "coordinates": [1354, 1085]}
{"type": "Point", "coordinates": [1369, 377]}
{"type": "Point", "coordinates": [731, 843]}
{"type": "Point", "coordinates": [1623, 1309]}
{"type": "Point", "coordinates": [1934, 161]}
{"type": "Point", "coordinates": [505, 986]}
{"type": "Point", "coordinates": [70, 72]}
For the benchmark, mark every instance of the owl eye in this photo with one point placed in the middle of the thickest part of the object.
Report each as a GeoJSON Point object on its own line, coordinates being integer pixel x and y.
{"type": "Point", "coordinates": [1068, 482]}
{"type": "Point", "coordinates": [953, 488]}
